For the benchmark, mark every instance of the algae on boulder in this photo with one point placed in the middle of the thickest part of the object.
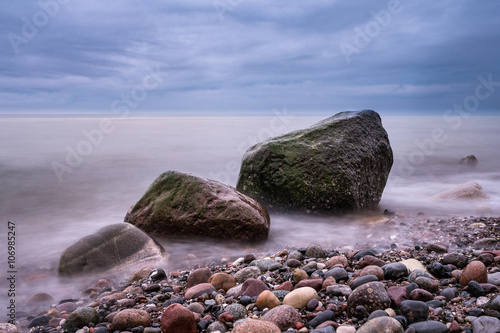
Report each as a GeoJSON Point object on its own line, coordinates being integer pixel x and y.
{"type": "Point", "coordinates": [117, 245]}
{"type": "Point", "coordinates": [342, 163]}
{"type": "Point", "coordinates": [182, 205]}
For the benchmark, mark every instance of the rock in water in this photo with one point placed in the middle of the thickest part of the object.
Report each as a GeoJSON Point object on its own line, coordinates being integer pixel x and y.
{"type": "Point", "coordinates": [467, 191]}
{"type": "Point", "coordinates": [182, 205]}
{"type": "Point", "coordinates": [341, 163]}
{"type": "Point", "coordinates": [116, 245]}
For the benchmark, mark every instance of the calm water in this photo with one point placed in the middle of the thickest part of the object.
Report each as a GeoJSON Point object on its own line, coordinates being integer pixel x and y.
{"type": "Point", "coordinates": [53, 209]}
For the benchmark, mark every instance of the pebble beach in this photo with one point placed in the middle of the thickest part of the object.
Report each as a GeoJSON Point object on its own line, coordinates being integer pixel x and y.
{"type": "Point", "coordinates": [412, 274]}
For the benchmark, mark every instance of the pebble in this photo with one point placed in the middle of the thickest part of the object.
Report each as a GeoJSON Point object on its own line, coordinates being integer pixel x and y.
{"type": "Point", "coordinates": [178, 319]}
{"type": "Point", "coordinates": [200, 275]}
{"type": "Point", "coordinates": [455, 259]}
{"type": "Point", "coordinates": [222, 281]}
{"type": "Point", "coordinates": [486, 324]}
{"type": "Point", "coordinates": [373, 270]}
{"type": "Point", "coordinates": [428, 284]}
{"type": "Point", "coordinates": [267, 299]}
{"type": "Point", "coordinates": [237, 310]}
{"type": "Point", "coordinates": [339, 290]}
{"type": "Point", "coordinates": [265, 265]}
{"type": "Point", "coordinates": [283, 316]}
{"type": "Point", "coordinates": [362, 280]}
{"type": "Point", "coordinates": [492, 307]}
{"type": "Point", "coordinates": [130, 318]}
{"type": "Point", "coordinates": [316, 284]}
{"type": "Point", "coordinates": [299, 275]}
{"type": "Point", "coordinates": [414, 311]}
{"type": "Point", "coordinates": [381, 324]}
{"type": "Point", "coordinates": [394, 271]}
{"type": "Point", "coordinates": [246, 273]}
{"type": "Point", "coordinates": [298, 298]}
{"type": "Point", "coordinates": [337, 260]}
{"type": "Point", "coordinates": [256, 326]}
{"type": "Point", "coordinates": [429, 327]}
{"type": "Point", "coordinates": [397, 294]}
{"type": "Point", "coordinates": [474, 271]}
{"type": "Point", "coordinates": [321, 318]}
{"type": "Point", "coordinates": [371, 295]}
{"type": "Point", "coordinates": [198, 290]}
{"type": "Point", "coordinates": [315, 251]}
{"type": "Point", "coordinates": [338, 273]}
{"type": "Point", "coordinates": [494, 278]}
{"type": "Point", "coordinates": [81, 317]}
{"type": "Point", "coordinates": [253, 287]}
{"type": "Point", "coordinates": [475, 289]}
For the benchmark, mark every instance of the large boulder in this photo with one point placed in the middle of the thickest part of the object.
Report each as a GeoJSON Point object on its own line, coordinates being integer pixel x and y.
{"type": "Point", "coordinates": [341, 163]}
{"type": "Point", "coordinates": [182, 205]}
{"type": "Point", "coordinates": [117, 245]}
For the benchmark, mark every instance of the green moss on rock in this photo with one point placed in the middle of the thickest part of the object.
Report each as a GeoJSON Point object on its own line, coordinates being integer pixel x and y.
{"type": "Point", "coordinates": [341, 163]}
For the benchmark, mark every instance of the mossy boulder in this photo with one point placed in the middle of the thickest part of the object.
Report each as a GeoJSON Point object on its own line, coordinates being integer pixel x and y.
{"type": "Point", "coordinates": [114, 246]}
{"type": "Point", "coordinates": [182, 205]}
{"type": "Point", "coordinates": [339, 164]}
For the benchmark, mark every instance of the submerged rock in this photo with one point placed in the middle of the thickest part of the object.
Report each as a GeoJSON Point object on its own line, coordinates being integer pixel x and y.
{"type": "Point", "coordinates": [182, 205]}
{"type": "Point", "coordinates": [116, 245]}
{"type": "Point", "coordinates": [341, 163]}
{"type": "Point", "coordinates": [470, 161]}
{"type": "Point", "coordinates": [470, 190]}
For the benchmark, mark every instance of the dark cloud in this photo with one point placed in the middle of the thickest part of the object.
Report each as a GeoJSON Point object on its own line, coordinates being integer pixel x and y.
{"type": "Point", "coordinates": [234, 56]}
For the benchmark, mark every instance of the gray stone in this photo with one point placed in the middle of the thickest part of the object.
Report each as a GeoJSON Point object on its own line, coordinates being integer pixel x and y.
{"type": "Point", "coordinates": [182, 205]}
{"type": "Point", "coordinates": [429, 327]}
{"type": "Point", "coordinates": [237, 310]}
{"type": "Point", "coordinates": [315, 251]}
{"type": "Point", "coordinates": [81, 317]}
{"type": "Point", "coordinates": [467, 191]}
{"type": "Point", "coordinates": [246, 273]}
{"type": "Point", "coordinates": [382, 324]}
{"type": "Point", "coordinates": [492, 308]}
{"type": "Point", "coordinates": [339, 290]}
{"type": "Point", "coordinates": [414, 310]}
{"type": "Point", "coordinates": [341, 163]}
{"type": "Point", "coordinates": [216, 326]}
{"type": "Point", "coordinates": [395, 270]}
{"type": "Point", "coordinates": [116, 245]}
{"type": "Point", "coordinates": [266, 265]}
{"type": "Point", "coordinates": [486, 324]}
{"type": "Point", "coordinates": [494, 278]}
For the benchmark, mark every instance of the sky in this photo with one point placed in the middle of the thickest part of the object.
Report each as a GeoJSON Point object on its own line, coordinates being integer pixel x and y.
{"type": "Point", "coordinates": [249, 57]}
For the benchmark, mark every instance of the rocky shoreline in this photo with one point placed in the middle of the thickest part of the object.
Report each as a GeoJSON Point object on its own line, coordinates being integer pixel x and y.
{"type": "Point", "coordinates": [414, 275]}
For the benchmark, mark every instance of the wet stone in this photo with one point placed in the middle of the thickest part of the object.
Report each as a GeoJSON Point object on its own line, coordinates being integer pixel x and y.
{"type": "Point", "coordinates": [474, 271]}
{"type": "Point", "coordinates": [492, 307]}
{"type": "Point", "coordinates": [414, 311]}
{"type": "Point", "coordinates": [486, 324]}
{"type": "Point", "coordinates": [395, 271]}
{"type": "Point", "coordinates": [362, 280]}
{"type": "Point", "coordinates": [455, 259]}
{"type": "Point", "coordinates": [475, 289]}
{"type": "Point", "coordinates": [320, 318]}
{"type": "Point", "coordinates": [381, 324]}
{"type": "Point", "coordinates": [338, 273]}
{"type": "Point", "coordinates": [371, 295]}
{"type": "Point", "coordinates": [429, 327]}
{"type": "Point", "coordinates": [283, 316]}
{"type": "Point", "coordinates": [339, 290]}
{"type": "Point", "coordinates": [315, 251]}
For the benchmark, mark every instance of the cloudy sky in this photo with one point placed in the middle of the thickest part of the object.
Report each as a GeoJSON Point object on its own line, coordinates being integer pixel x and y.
{"type": "Point", "coordinates": [248, 56]}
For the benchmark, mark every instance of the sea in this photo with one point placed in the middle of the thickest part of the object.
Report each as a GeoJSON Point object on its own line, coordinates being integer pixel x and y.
{"type": "Point", "coordinates": [64, 177]}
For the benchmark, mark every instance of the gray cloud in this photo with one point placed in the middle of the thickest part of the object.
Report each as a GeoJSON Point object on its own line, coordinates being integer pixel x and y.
{"type": "Point", "coordinates": [235, 56]}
